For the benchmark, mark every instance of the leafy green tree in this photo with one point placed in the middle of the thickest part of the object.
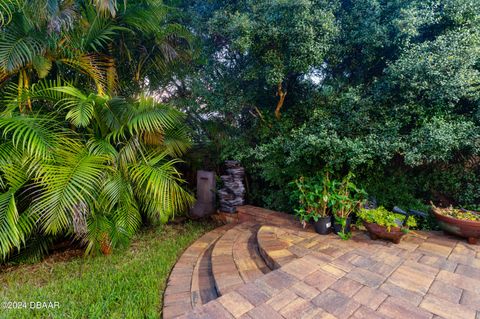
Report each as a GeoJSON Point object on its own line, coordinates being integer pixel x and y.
{"type": "Point", "coordinates": [267, 45]}
{"type": "Point", "coordinates": [394, 95]}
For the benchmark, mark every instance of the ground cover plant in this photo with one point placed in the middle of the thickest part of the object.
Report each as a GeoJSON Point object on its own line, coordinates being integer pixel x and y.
{"type": "Point", "coordinates": [127, 284]}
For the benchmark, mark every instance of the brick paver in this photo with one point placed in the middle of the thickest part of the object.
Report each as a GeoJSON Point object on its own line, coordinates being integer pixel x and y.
{"type": "Point", "coordinates": [428, 275]}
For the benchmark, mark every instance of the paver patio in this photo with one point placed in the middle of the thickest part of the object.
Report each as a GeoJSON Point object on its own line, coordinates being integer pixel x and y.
{"type": "Point", "coordinates": [427, 275]}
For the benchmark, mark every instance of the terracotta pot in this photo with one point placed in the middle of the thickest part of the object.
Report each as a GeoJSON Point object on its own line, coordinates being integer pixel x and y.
{"type": "Point", "coordinates": [376, 231]}
{"type": "Point", "coordinates": [464, 228]}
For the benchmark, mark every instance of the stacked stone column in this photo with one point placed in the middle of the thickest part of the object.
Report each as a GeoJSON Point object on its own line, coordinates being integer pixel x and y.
{"type": "Point", "coordinates": [233, 192]}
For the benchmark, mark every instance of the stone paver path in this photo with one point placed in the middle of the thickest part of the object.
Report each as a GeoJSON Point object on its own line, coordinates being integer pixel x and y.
{"type": "Point", "coordinates": [427, 275]}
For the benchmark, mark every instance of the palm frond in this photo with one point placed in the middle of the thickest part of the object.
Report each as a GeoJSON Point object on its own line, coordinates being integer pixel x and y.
{"type": "Point", "coordinates": [118, 198]}
{"type": "Point", "coordinates": [73, 177]}
{"type": "Point", "coordinates": [106, 7]}
{"type": "Point", "coordinates": [172, 40]}
{"type": "Point", "coordinates": [98, 233]}
{"type": "Point", "coordinates": [144, 17]}
{"type": "Point", "coordinates": [41, 91]}
{"type": "Point", "coordinates": [63, 17]}
{"type": "Point", "coordinates": [130, 151]}
{"type": "Point", "coordinates": [15, 173]}
{"type": "Point", "coordinates": [9, 233]}
{"type": "Point", "coordinates": [151, 116]}
{"type": "Point", "coordinates": [159, 187]}
{"type": "Point", "coordinates": [115, 113]}
{"type": "Point", "coordinates": [101, 32]}
{"type": "Point", "coordinates": [99, 146]}
{"type": "Point", "coordinates": [44, 90]}
{"type": "Point", "coordinates": [176, 141]}
{"type": "Point", "coordinates": [17, 49]}
{"type": "Point", "coordinates": [81, 114]}
{"type": "Point", "coordinates": [8, 153]}
{"type": "Point", "coordinates": [93, 66]}
{"type": "Point", "coordinates": [7, 8]}
{"type": "Point", "coordinates": [80, 107]}
{"type": "Point", "coordinates": [38, 136]}
{"type": "Point", "coordinates": [13, 227]}
{"type": "Point", "coordinates": [35, 248]}
{"type": "Point", "coordinates": [42, 65]}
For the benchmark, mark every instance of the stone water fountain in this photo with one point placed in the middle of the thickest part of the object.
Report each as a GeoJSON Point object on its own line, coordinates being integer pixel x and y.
{"type": "Point", "coordinates": [233, 192]}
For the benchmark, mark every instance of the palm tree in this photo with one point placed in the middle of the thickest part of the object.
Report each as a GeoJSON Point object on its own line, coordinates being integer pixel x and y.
{"type": "Point", "coordinates": [47, 41]}
{"type": "Point", "coordinates": [76, 159]}
{"type": "Point", "coordinates": [96, 181]}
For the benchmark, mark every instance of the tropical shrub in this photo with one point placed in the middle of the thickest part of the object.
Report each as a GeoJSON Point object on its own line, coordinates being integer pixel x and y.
{"type": "Point", "coordinates": [96, 186]}
{"type": "Point", "coordinates": [321, 195]}
{"type": "Point", "coordinates": [77, 159]}
{"type": "Point", "coordinates": [112, 47]}
{"type": "Point", "coordinates": [346, 197]}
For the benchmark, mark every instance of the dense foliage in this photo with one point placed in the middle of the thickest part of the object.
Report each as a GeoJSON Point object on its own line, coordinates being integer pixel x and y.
{"type": "Point", "coordinates": [77, 159]}
{"type": "Point", "coordinates": [387, 89]}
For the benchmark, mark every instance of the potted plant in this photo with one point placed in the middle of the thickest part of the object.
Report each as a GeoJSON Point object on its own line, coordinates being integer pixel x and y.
{"type": "Point", "coordinates": [381, 223]}
{"type": "Point", "coordinates": [313, 195]}
{"type": "Point", "coordinates": [459, 221]}
{"type": "Point", "coordinates": [346, 198]}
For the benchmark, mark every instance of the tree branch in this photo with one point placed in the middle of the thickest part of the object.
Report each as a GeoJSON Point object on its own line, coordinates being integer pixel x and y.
{"type": "Point", "coordinates": [282, 94]}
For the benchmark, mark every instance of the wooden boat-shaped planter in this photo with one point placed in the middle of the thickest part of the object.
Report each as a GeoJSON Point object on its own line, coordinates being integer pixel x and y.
{"type": "Point", "coordinates": [464, 228]}
{"type": "Point", "coordinates": [376, 231]}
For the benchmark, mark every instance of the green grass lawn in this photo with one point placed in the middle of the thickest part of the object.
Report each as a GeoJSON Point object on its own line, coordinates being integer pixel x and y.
{"type": "Point", "coordinates": [126, 284]}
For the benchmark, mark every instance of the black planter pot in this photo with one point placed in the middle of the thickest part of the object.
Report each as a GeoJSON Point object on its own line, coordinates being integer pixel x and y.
{"type": "Point", "coordinates": [323, 226]}
{"type": "Point", "coordinates": [338, 227]}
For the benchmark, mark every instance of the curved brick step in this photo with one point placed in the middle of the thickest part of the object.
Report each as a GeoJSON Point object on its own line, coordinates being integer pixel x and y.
{"type": "Point", "coordinates": [279, 246]}
{"type": "Point", "coordinates": [221, 261]}
{"type": "Point", "coordinates": [203, 285]}
{"type": "Point", "coordinates": [236, 259]}
{"type": "Point", "coordinates": [247, 256]}
{"type": "Point", "coordinates": [191, 282]}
